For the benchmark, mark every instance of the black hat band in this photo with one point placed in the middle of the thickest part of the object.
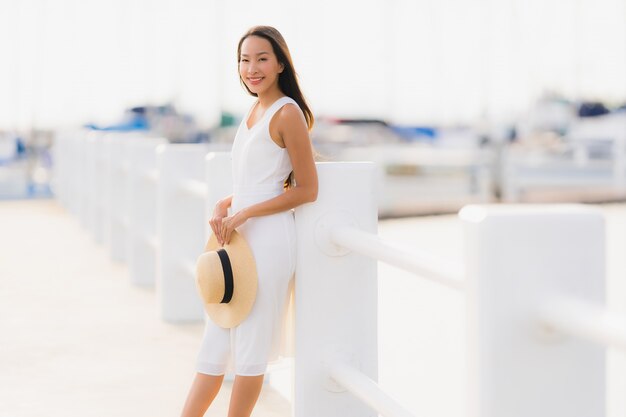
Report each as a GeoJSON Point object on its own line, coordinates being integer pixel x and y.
{"type": "Point", "coordinates": [228, 276]}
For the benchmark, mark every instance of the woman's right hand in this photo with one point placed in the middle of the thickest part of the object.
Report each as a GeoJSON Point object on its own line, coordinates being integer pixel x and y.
{"type": "Point", "coordinates": [219, 212]}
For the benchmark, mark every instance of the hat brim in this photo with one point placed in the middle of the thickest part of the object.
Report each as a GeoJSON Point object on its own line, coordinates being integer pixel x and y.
{"type": "Point", "coordinates": [245, 279]}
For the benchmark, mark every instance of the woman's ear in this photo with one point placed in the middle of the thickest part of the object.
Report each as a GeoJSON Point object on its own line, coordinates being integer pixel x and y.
{"type": "Point", "coordinates": [282, 67]}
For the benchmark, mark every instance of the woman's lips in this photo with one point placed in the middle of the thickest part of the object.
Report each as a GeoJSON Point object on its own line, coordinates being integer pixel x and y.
{"type": "Point", "coordinates": [255, 81]}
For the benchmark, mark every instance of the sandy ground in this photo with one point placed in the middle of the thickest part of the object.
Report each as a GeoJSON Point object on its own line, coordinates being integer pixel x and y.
{"type": "Point", "coordinates": [77, 339]}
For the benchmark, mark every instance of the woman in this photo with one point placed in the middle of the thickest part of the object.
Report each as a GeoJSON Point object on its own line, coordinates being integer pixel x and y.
{"type": "Point", "coordinates": [273, 172]}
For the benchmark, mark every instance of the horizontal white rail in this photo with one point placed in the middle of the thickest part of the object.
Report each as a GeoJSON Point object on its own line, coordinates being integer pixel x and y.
{"type": "Point", "coordinates": [586, 321]}
{"type": "Point", "coordinates": [150, 175]}
{"type": "Point", "coordinates": [365, 389]}
{"type": "Point", "coordinates": [189, 268]}
{"type": "Point", "coordinates": [121, 221]}
{"type": "Point", "coordinates": [151, 241]}
{"type": "Point", "coordinates": [426, 265]}
{"type": "Point", "coordinates": [195, 188]}
{"type": "Point", "coordinates": [124, 168]}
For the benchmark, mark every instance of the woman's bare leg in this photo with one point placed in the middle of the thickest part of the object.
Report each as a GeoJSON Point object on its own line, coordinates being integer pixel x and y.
{"type": "Point", "coordinates": [246, 390]}
{"type": "Point", "coordinates": [203, 391]}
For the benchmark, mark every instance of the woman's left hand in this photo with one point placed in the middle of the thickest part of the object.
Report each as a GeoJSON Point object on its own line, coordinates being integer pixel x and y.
{"type": "Point", "coordinates": [230, 223]}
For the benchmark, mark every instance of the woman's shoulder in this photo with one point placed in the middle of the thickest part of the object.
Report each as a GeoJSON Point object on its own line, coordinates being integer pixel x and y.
{"type": "Point", "coordinates": [290, 112]}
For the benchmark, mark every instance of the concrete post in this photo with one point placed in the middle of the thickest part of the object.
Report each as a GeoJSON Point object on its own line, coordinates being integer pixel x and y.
{"type": "Point", "coordinates": [74, 170]}
{"type": "Point", "coordinates": [519, 259]}
{"type": "Point", "coordinates": [87, 174]}
{"type": "Point", "coordinates": [119, 201]}
{"type": "Point", "coordinates": [180, 230]}
{"type": "Point", "coordinates": [139, 195]}
{"type": "Point", "coordinates": [219, 179]}
{"type": "Point", "coordinates": [114, 202]}
{"type": "Point", "coordinates": [97, 187]}
{"type": "Point", "coordinates": [336, 292]}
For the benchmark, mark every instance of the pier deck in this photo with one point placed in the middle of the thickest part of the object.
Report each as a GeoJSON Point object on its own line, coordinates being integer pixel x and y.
{"type": "Point", "coordinates": [78, 339]}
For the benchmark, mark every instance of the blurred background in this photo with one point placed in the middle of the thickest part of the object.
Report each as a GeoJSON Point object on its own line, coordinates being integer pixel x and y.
{"type": "Point", "coordinates": [457, 101]}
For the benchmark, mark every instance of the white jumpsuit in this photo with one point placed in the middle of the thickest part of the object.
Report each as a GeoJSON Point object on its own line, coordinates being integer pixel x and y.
{"type": "Point", "coordinates": [259, 167]}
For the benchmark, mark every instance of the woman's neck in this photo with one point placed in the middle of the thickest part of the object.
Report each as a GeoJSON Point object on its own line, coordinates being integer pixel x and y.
{"type": "Point", "coordinates": [267, 99]}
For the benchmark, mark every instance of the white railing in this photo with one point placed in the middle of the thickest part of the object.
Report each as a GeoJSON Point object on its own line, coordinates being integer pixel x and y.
{"type": "Point", "coordinates": [592, 322]}
{"type": "Point", "coordinates": [519, 259]}
{"type": "Point", "coordinates": [532, 276]}
{"type": "Point", "coordinates": [443, 271]}
{"type": "Point", "coordinates": [194, 188]}
{"type": "Point", "coordinates": [365, 389]}
{"type": "Point", "coordinates": [182, 226]}
{"type": "Point", "coordinates": [135, 211]}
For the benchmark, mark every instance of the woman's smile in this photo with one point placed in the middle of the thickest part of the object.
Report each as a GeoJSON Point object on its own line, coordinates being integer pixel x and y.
{"type": "Point", "coordinates": [255, 80]}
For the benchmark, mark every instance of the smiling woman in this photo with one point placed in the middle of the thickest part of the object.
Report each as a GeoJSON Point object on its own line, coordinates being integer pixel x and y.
{"type": "Point", "coordinates": [273, 172]}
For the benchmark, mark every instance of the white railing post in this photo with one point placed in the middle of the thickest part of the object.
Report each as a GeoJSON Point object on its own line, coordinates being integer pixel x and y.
{"type": "Point", "coordinates": [112, 192]}
{"type": "Point", "coordinates": [519, 260]}
{"type": "Point", "coordinates": [87, 174]}
{"type": "Point", "coordinates": [61, 168]}
{"type": "Point", "coordinates": [219, 179]}
{"type": "Point", "coordinates": [105, 187]}
{"type": "Point", "coordinates": [336, 293]}
{"type": "Point", "coordinates": [70, 171]}
{"type": "Point", "coordinates": [180, 229]}
{"type": "Point", "coordinates": [75, 158]}
{"type": "Point", "coordinates": [138, 220]}
{"type": "Point", "coordinates": [219, 184]}
{"type": "Point", "coordinates": [118, 204]}
{"type": "Point", "coordinates": [98, 188]}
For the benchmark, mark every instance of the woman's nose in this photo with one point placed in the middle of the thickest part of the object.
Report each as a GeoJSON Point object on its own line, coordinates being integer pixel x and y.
{"type": "Point", "coordinates": [251, 68]}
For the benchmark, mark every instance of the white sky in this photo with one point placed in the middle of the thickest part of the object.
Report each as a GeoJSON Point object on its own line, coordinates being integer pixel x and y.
{"type": "Point", "coordinates": [68, 62]}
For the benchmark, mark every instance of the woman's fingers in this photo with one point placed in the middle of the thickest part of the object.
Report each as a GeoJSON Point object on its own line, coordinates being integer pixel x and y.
{"type": "Point", "coordinates": [220, 235]}
{"type": "Point", "coordinates": [227, 235]}
{"type": "Point", "coordinates": [226, 230]}
{"type": "Point", "coordinates": [216, 226]}
{"type": "Point", "coordinates": [231, 223]}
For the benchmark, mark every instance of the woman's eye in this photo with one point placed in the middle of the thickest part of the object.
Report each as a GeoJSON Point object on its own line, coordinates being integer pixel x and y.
{"type": "Point", "coordinates": [244, 60]}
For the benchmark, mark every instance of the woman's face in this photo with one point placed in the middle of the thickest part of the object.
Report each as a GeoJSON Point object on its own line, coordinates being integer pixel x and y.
{"type": "Point", "coordinates": [258, 65]}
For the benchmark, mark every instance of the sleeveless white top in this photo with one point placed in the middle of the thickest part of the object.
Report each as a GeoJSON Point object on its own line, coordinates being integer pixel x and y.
{"type": "Point", "coordinates": [258, 162]}
{"type": "Point", "coordinates": [260, 168]}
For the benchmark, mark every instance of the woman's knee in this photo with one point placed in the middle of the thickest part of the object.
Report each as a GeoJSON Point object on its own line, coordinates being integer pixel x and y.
{"type": "Point", "coordinates": [208, 381]}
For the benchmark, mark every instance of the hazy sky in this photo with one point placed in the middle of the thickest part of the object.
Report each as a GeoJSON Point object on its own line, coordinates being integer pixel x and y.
{"type": "Point", "coordinates": [409, 62]}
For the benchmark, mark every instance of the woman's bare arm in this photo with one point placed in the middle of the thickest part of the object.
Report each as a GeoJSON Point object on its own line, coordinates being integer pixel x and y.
{"type": "Point", "coordinates": [294, 134]}
{"type": "Point", "coordinates": [226, 202]}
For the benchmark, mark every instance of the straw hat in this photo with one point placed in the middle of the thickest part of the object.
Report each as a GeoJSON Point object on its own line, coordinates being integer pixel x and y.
{"type": "Point", "coordinates": [226, 279]}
